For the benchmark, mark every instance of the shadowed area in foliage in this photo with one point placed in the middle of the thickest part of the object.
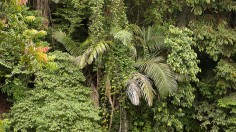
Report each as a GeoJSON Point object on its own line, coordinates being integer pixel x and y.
{"type": "Point", "coordinates": [4, 104]}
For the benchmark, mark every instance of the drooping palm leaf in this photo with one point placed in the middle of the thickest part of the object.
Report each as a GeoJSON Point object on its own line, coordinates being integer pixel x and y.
{"type": "Point", "coordinates": [160, 73]}
{"type": "Point", "coordinates": [92, 53]}
{"type": "Point", "coordinates": [146, 87]}
{"type": "Point", "coordinates": [134, 92]}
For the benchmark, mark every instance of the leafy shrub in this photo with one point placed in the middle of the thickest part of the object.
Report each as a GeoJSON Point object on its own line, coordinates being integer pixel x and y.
{"type": "Point", "coordinates": [59, 102]}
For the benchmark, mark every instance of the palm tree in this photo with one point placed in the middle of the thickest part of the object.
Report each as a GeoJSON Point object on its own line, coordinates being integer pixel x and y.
{"type": "Point", "coordinates": [85, 52]}
{"type": "Point", "coordinates": [152, 68]}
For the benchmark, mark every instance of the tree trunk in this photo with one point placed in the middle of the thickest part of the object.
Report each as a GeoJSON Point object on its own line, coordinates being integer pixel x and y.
{"type": "Point", "coordinates": [95, 96]}
{"type": "Point", "coordinates": [43, 7]}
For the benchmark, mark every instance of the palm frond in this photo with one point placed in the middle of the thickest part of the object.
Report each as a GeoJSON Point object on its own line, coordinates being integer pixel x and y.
{"type": "Point", "coordinates": [146, 87]}
{"type": "Point", "coordinates": [100, 48]}
{"type": "Point", "coordinates": [67, 42]}
{"type": "Point", "coordinates": [138, 35]}
{"type": "Point", "coordinates": [92, 53]}
{"type": "Point", "coordinates": [126, 38]}
{"type": "Point", "coordinates": [150, 39]}
{"type": "Point", "coordinates": [133, 92]}
{"type": "Point", "coordinates": [160, 73]}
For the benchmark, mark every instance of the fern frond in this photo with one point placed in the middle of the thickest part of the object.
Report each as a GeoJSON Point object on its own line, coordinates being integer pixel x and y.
{"type": "Point", "coordinates": [160, 73]}
{"type": "Point", "coordinates": [68, 43]}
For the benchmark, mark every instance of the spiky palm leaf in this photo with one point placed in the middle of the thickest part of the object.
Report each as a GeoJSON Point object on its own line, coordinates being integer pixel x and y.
{"type": "Point", "coordinates": [67, 42]}
{"type": "Point", "coordinates": [154, 38]}
{"type": "Point", "coordinates": [152, 65]}
{"type": "Point", "coordinates": [151, 39]}
{"type": "Point", "coordinates": [91, 52]}
{"type": "Point", "coordinates": [160, 73]}
{"type": "Point", "coordinates": [140, 83]}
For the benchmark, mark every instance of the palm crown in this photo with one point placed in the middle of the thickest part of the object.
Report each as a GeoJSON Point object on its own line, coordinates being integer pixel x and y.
{"type": "Point", "coordinates": [152, 70]}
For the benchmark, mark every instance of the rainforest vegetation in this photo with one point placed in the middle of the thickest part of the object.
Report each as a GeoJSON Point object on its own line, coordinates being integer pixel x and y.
{"type": "Point", "coordinates": [118, 65]}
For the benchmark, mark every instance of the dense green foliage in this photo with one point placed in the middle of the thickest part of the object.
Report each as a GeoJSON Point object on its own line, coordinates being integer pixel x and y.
{"type": "Point", "coordinates": [59, 102]}
{"type": "Point", "coordinates": [22, 50]}
{"type": "Point", "coordinates": [148, 65]}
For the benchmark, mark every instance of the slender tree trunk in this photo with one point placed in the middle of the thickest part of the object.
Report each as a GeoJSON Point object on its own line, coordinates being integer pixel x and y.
{"type": "Point", "coordinates": [43, 7]}
{"type": "Point", "coordinates": [95, 95]}
{"type": "Point", "coordinates": [123, 120]}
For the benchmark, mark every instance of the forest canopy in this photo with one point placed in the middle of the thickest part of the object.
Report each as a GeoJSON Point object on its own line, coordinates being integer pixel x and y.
{"type": "Point", "coordinates": [118, 65]}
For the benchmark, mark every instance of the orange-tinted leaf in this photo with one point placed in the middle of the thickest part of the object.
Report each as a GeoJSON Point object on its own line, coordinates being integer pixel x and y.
{"type": "Point", "coordinates": [42, 49]}
{"type": "Point", "coordinates": [43, 57]}
{"type": "Point", "coordinates": [21, 2]}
